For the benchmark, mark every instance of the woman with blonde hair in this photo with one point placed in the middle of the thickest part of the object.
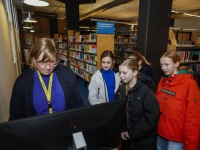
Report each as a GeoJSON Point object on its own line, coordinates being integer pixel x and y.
{"type": "Point", "coordinates": [47, 87]}
{"type": "Point", "coordinates": [142, 111]}
{"type": "Point", "coordinates": [144, 66]}
{"type": "Point", "coordinates": [179, 98]}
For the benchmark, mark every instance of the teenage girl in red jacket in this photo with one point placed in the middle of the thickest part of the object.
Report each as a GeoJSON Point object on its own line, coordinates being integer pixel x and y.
{"type": "Point", "coordinates": [179, 98]}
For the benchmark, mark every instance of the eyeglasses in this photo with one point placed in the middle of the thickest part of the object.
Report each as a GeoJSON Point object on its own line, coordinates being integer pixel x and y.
{"type": "Point", "coordinates": [51, 64]}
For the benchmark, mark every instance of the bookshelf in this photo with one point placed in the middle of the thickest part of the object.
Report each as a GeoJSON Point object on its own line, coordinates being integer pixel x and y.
{"type": "Point", "coordinates": [123, 47]}
{"type": "Point", "coordinates": [84, 55]}
{"type": "Point", "coordinates": [62, 52]}
{"type": "Point", "coordinates": [189, 54]}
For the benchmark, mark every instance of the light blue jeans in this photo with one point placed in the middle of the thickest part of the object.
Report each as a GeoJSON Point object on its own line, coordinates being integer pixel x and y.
{"type": "Point", "coordinates": [164, 144]}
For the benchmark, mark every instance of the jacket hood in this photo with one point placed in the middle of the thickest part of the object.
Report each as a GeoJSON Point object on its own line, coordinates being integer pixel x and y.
{"type": "Point", "coordinates": [175, 79]}
{"type": "Point", "coordinates": [141, 79]}
{"type": "Point", "coordinates": [147, 70]}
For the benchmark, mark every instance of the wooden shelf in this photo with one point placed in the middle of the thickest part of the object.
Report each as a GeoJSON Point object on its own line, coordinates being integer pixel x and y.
{"type": "Point", "coordinates": [191, 62]}
{"type": "Point", "coordinates": [124, 44]}
{"type": "Point", "coordinates": [63, 59]}
{"type": "Point", "coordinates": [81, 69]}
{"type": "Point", "coordinates": [187, 47]}
{"type": "Point", "coordinates": [83, 42]}
{"type": "Point", "coordinates": [83, 52]}
{"type": "Point", "coordinates": [84, 61]}
{"type": "Point", "coordinates": [125, 50]}
{"type": "Point", "coordinates": [62, 54]}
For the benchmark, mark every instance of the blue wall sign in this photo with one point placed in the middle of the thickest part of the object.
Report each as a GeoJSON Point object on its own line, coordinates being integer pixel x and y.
{"type": "Point", "coordinates": [105, 27]}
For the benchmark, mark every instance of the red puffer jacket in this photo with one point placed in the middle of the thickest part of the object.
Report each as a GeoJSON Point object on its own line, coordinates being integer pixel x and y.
{"type": "Point", "coordinates": [179, 100]}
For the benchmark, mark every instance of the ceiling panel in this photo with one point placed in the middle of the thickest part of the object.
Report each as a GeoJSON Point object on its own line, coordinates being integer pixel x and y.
{"type": "Point", "coordinates": [127, 12]}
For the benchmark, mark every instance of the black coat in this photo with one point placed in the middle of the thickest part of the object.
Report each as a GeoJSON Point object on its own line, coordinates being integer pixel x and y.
{"type": "Point", "coordinates": [147, 70]}
{"type": "Point", "coordinates": [144, 111]}
{"type": "Point", "coordinates": [21, 104]}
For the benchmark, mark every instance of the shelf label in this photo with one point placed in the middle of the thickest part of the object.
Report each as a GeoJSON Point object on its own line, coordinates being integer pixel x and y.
{"type": "Point", "coordinates": [105, 27]}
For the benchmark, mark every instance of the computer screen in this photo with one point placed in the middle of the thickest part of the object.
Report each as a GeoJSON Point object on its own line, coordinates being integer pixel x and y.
{"type": "Point", "coordinates": [100, 124]}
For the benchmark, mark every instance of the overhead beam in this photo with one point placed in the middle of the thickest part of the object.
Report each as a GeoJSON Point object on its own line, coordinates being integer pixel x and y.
{"type": "Point", "coordinates": [104, 7]}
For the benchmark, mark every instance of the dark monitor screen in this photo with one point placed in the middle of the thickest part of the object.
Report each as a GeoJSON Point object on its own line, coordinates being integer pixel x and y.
{"type": "Point", "coordinates": [100, 124]}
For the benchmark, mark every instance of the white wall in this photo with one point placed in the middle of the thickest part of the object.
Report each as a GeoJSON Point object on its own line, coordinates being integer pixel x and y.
{"type": "Point", "coordinates": [188, 23]}
{"type": "Point", "coordinates": [8, 71]}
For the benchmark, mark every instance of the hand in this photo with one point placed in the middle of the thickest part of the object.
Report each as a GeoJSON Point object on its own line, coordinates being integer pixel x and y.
{"type": "Point", "coordinates": [124, 135]}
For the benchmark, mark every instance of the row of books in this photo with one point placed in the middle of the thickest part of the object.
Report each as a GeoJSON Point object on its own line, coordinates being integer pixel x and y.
{"type": "Point", "coordinates": [59, 39]}
{"type": "Point", "coordinates": [194, 67]}
{"type": "Point", "coordinates": [184, 42]}
{"type": "Point", "coordinates": [119, 60]}
{"type": "Point", "coordinates": [86, 76]}
{"type": "Point", "coordinates": [84, 57]}
{"type": "Point", "coordinates": [79, 64]}
{"type": "Point", "coordinates": [125, 47]}
{"type": "Point", "coordinates": [62, 45]}
{"type": "Point", "coordinates": [121, 54]}
{"type": "Point", "coordinates": [84, 38]}
{"type": "Point", "coordinates": [84, 48]}
{"type": "Point", "coordinates": [187, 55]}
{"type": "Point", "coordinates": [125, 41]}
{"type": "Point", "coordinates": [62, 51]}
{"type": "Point", "coordinates": [63, 57]}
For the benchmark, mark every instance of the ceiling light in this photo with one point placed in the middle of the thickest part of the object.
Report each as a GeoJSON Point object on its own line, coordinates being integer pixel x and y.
{"type": "Point", "coordinates": [84, 27]}
{"type": "Point", "coordinates": [29, 18]}
{"type": "Point", "coordinates": [36, 3]}
{"type": "Point", "coordinates": [127, 23]}
{"type": "Point", "coordinates": [189, 14]}
{"type": "Point", "coordinates": [27, 26]}
{"type": "Point", "coordinates": [32, 30]}
{"type": "Point", "coordinates": [175, 11]}
{"type": "Point", "coordinates": [174, 28]}
{"type": "Point", "coordinates": [190, 29]}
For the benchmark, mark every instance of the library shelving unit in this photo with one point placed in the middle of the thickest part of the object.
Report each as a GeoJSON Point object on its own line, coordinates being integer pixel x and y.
{"type": "Point", "coordinates": [123, 47]}
{"type": "Point", "coordinates": [85, 52]}
{"type": "Point", "coordinates": [62, 52]}
{"type": "Point", "coordinates": [190, 56]}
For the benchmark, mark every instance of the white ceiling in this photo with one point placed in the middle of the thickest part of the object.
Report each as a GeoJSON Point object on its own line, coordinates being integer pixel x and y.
{"type": "Point", "coordinates": [125, 12]}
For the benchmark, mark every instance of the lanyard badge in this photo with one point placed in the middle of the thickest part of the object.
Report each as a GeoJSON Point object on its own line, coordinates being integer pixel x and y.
{"type": "Point", "coordinates": [47, 93]}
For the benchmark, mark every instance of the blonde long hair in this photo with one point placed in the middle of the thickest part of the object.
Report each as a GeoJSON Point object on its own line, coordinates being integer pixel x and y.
{"type": "Point", "coordinates": [174, 56]}
{"type": "Point", "coordinates": [130, 64]}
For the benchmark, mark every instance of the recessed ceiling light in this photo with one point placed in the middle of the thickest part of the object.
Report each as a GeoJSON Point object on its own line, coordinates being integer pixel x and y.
{"type": "Point", "coordinates": [36, 3]}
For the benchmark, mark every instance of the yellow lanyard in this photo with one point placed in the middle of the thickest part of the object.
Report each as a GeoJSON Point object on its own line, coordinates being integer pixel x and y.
{"type": "Point", "coordinates": [47, 93]}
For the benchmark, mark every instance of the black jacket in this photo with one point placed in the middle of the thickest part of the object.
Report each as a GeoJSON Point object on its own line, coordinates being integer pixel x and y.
{"type": "Point", "coordinates": [21, 104]}
{"type": "Point", "coordinates": [147, 70]}
{"type": "Point", "coordinates": [144, 111]}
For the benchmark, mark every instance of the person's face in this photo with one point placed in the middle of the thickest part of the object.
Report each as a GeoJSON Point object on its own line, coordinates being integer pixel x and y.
{"type": "Point", "coordinates": [126, 74]}
{"type": "Point", "coordinates": [45, 67]}
{"type": "Point", "coordinates": [167, 66]}
{"type": "Point", "coordinates": [106, 63]}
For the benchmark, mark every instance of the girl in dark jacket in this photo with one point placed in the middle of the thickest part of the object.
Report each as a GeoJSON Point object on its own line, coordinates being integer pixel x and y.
{"type": "Point", "coordinates": [142, 112]}
{"type": "Point", "coordinates": [144, 66]}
